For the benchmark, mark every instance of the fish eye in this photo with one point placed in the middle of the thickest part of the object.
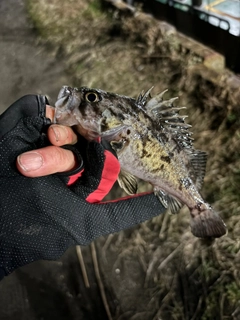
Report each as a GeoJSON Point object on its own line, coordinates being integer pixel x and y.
{"type": "Point", "coordinates": [92, 97]}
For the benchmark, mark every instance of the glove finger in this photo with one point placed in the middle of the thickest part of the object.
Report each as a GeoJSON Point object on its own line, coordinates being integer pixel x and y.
{"type": "Point", "coordinates": [101, 169]}
{"type": "Point", "coordinates": [109, 176]}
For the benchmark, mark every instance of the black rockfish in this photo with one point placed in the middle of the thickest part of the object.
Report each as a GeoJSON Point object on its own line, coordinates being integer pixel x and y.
{"type": "Point", "coordinates": [152, 142]}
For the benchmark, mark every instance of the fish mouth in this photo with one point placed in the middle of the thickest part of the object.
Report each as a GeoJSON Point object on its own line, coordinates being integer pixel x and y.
{"type": "Point", "coordinates": [67, 113]}
{"type": "Point", "coordinates": [64, 91]}
{"type": "Point", "coordinates": [67, 98]}
{"type": "Point", "coordinates": [67, 101]}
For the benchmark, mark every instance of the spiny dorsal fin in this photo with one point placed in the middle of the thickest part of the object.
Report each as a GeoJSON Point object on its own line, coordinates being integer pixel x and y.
{"type": "Point", "coordinates": [167, 116]}
{"type": "Point", "coordinates": [127, 182]}
{"type": "Point", "coordinates": [144, 97]}
{"type": "Point", "coordinates": [165, 107]}
{"type": "Point", "coordinates": [153, 102]}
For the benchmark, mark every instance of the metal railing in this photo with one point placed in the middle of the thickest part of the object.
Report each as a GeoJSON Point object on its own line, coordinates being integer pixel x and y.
{"type": "Point", "coordinates": [195, 8]}
{"type": "Point", "coordinates": [201, 13]}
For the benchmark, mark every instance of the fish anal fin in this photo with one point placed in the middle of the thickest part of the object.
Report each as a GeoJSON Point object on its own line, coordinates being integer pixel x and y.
{"type": "Point", "coordinates": [168, 201]}
{"type": "Point", "coordinates": [207, 224]}
{"type": "Point", "coordinates": [174, 205]}
{"type": "Point", "coordinates": [198, 160]}
{"type": "Point", "coordinates": [127, 182]}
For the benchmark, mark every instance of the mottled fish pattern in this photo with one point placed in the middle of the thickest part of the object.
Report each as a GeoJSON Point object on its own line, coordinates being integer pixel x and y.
{"type": "Point", "coordinates": [152, 141]}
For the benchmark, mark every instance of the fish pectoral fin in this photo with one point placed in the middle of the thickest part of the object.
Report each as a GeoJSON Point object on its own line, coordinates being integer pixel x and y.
{"type": "Point", "coordinates": [168, 201]}
{"type": "Point", "coordinates": [127, 182]}
{"type": "Point", "coordinates": [117, 145]}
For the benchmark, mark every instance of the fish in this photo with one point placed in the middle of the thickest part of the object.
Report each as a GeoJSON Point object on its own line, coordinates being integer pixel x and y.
{"type": "Point", "coordinates": [152, 141]}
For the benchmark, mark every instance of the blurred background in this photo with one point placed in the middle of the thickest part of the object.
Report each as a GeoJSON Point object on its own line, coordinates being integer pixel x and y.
{"type": "Point", "coordinates": [156, 270]}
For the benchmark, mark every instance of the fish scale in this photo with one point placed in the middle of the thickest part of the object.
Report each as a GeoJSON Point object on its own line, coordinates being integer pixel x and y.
{"type": "Point", "coordinates": [152, 142]}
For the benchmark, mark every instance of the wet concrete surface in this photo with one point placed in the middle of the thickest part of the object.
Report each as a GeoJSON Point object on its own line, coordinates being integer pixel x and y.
{"type": "Point", "coordinates": [42, 290]}
{"type": "Point", "coordinates": [25, 67]}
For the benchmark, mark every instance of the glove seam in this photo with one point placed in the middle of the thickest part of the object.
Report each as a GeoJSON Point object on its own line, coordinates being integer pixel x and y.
{"type": "Point", "coordinates": [80, 164]}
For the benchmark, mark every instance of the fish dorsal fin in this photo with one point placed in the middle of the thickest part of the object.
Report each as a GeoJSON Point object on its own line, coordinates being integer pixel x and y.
{"type": "Point", "coordinates": [127, 182]}
{"type": "Point", "coordinates": [164, 111]}
{"type": "Point", "coordinates": [153, 102]}
{"type": "Point", "coordinates": [144, 97]}
{"type": "Point", "coordinates": [198, 160]}
{"type": "Point", "coordinates": [166, 115]}
{"type": "Point", "coordinates": [168, 201]}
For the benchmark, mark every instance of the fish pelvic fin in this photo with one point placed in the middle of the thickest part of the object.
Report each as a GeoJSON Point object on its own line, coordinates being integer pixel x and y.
{"type": "Point", "coordinates": [207, 223]}
{"type": "Point", "coordinates": [127, 182]}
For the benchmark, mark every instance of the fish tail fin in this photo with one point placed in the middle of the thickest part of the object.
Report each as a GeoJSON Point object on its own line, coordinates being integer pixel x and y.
{"type": "Point", "coordinates": [207, 223]}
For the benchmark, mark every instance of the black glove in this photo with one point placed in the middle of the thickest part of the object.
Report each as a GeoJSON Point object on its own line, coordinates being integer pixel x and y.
{"type": "Point", "coordinates": [41, 217]}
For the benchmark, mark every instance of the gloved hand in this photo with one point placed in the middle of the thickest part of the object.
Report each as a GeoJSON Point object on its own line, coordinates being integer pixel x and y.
{"type": "Point", "coordinates": [41, 217]}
